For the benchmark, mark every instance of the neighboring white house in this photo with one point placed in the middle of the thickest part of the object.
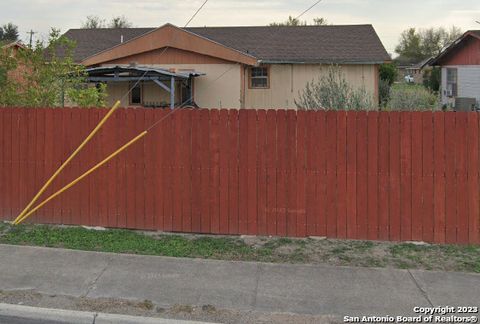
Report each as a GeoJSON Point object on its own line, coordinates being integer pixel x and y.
{"type": "Point", "coordinates": [460, 64]}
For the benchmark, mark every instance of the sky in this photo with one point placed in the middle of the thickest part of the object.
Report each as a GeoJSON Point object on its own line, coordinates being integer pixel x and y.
{"type": "Point", "coordinates": [388, 17]}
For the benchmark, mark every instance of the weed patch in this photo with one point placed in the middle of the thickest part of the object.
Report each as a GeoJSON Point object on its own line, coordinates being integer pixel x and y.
{"type": "Point", "coordinates": [264, 249]}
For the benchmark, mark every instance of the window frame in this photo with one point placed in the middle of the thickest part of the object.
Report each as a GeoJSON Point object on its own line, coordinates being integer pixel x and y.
{"type": "Point", "coordinates": [131, 103]}
{"type": "Point", "coordinates": [250, 77]}
{"type": "Point", "coordinates": [454, 84]}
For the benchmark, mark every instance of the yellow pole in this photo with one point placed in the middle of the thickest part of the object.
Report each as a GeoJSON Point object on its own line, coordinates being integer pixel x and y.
{"type": "Point", "coordinates": [71, 184]}
{"type": "Point", "coordinates": [79, 148]}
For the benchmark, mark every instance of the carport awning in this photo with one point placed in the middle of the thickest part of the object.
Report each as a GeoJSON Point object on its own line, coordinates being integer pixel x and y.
{"type": "Point", "coordinates": [140, 73]}
{"type": "Point", "coordinates": [135, 73]}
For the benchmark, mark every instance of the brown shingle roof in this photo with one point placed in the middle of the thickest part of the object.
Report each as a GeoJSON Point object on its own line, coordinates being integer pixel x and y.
{"type": "Point", "coordinates": [302, 44]}
{"type": "Point", "coordinates": [92, 41]}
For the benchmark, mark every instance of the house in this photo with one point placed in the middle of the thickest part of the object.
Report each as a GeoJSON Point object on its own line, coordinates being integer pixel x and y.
{"type": "Point", "coordinates": [12, 50]}
{"type": "Point", "coordinates": [460, 64]}
{"type": "Point", "coordinates": [14, 46]}
{"type": "Point", "coordinates": [415, 71]}
{"type": "Point", "coordinates": [225, 67]}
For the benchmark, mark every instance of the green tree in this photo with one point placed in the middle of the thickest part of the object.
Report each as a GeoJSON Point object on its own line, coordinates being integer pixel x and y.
{"type": "Point", "coordinates": [9, 33]}
{"type": "Point", "coordinates": [43, 77]}
{"type": "Point", "coordinates": [93, 22]}
{"type": "Point", "coordinates": [410, 45]}
{"type": "Point", "coordinates": [120, 22]}
{"type": "Point", "coordinates": [416, 45]}
{"type": "Point", "coordinates": [319, 21]}
{"type": "Point", "coordinates": [333, 92]}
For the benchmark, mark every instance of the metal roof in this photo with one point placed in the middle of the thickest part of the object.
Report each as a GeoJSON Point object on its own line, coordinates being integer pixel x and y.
{"type": "Point", "coordinates": [140, 71]}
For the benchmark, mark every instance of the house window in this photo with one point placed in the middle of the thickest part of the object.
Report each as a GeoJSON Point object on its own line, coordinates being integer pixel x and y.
{"type": "Point", "coordinates": [259, 77]}
{"type": "Point", "coordinates": [452, 85]}
{"type": "Point", "coordinates": [136, 95]}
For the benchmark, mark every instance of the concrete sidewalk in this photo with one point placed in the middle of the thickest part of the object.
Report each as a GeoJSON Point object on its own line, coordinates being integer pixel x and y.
{"type": "Point", "coordinates": [303, 289]}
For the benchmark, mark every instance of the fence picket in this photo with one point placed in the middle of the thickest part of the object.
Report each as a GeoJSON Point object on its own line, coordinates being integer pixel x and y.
{"type": "Point", "coordinates": [342, 174]}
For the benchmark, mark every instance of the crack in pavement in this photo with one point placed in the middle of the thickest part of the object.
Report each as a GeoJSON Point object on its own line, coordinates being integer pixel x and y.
{"type": "Point", "coordinates": [422, 291]}
{"type": "Point", "coordinates": [94, 282]}
{"type": "Point", "coordinates": [257, 280]}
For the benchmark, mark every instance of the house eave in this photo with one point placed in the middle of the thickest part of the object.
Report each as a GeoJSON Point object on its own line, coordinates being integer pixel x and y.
{"type": "Point", "coordinates": [323, 62]}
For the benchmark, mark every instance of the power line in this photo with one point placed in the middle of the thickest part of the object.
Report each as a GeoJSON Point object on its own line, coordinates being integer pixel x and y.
{"type": "Point", "coordinates": [195, 14]}
{"type": "Point", "coordinates": [310, 8]}
{"type": "Point", "coordinates": [183, 104]}
{"type": "Point", "coordinates": [164, 50]}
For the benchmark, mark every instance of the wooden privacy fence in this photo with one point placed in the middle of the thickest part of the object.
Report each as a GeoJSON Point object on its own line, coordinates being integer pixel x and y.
{"type": "Point", "coordinates": [379, 176]}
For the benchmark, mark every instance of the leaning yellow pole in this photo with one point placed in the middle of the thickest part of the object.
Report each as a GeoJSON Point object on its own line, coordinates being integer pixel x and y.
{"type": "Point", "coordinates": [70, 158]}
{"type": "Point", "coordinates": [71, 184]}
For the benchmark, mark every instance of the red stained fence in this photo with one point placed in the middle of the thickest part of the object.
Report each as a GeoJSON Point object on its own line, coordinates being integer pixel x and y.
{"type": "Point", "coordinates": [396, 176]}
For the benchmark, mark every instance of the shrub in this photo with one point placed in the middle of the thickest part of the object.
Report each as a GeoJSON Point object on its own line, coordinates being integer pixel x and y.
{"type": "Point", "coordinates": [332, 91]}
{"type": "Point", "coordinates": [384, 89]}
{"type": "Point", "coordinates": [388, 72]}
{"type": "Point", "coordinates": [432, 79]}
{"type": "Point", "coordinates": [412, 97]}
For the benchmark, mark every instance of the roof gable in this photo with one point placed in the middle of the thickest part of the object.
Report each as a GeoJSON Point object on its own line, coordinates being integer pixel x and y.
{"type": "Point", "coordinates": [170, 36]}
{"type": "Point", "coordinates": [464, 51]}
{"type": "Point", "coordinates": [168, 55]}
{"type": "Point", "coordinates": [16, 45]}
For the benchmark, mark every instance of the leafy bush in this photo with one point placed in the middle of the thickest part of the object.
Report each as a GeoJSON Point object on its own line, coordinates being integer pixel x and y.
{"type": "Point", "coordinates": [332, 91]}
{"type": "Point", "coordinates": [38, 77]}
{"type": "Point", "coordinates": [384, 89]}
{"type": "Point", "coordinates": [412, 97]}
{"type": "Point", "coordinates": [388, 72]}
{"type": "Point", "coordinates": [432, 79]}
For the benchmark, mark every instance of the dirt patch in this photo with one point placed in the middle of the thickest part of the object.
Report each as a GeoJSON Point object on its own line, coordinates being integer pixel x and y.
{"type": "Point", "coordinates": [206, 313]}
{"type": "Point", "coordinates": [410, 255]}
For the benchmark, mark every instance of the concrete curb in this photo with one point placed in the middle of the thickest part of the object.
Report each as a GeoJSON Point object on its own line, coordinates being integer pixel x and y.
{"type": "Point", "coordinates": [78, 317]}
{"type": "Point", "coordinates": [47, 314]}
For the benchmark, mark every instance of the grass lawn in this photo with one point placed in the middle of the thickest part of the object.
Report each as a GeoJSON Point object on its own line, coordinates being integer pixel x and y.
{"type": "Point", "coordinates": [265, 249]}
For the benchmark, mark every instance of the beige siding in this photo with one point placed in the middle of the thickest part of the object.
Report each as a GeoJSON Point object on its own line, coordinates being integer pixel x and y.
{"type": "Point", "coordinates": [286, 80]}
{"type": "Point", "coordinates": [116, 91]}
{"type": "Point", "coordinates": [219, 88]}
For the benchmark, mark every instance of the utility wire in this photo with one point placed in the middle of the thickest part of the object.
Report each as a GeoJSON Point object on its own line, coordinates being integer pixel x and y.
{"type": "Point", "coordinates": [195, 14]}
{"type": "Point", "coordinates": [134, 85]}
{"type": "Point", "coordinates": [182, 106]}
{"type": "Point", "coordinates": [310, 8]}
{"type": "Point", "coordinates": [164, 50]}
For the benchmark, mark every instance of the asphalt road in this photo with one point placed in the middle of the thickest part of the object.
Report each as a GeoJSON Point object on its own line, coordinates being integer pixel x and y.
{"type": "Point", "coordinates": [20, 320]}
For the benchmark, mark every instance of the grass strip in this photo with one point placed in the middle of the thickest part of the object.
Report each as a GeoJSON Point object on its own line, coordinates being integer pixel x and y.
{"type": "Point", "coordinates": [264, 249]}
